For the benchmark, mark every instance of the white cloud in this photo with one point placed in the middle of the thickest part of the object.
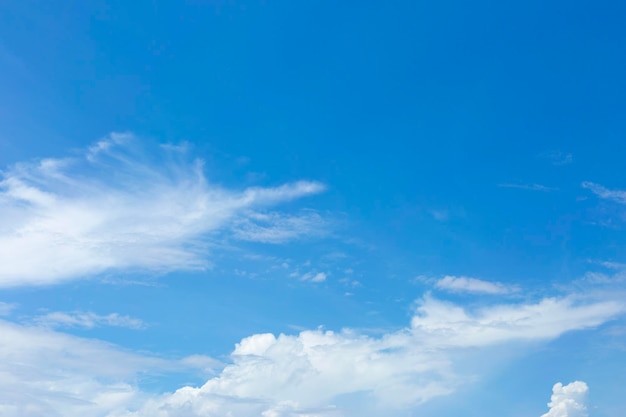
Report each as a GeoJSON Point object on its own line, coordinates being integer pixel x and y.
{"type": "Point", "coordinates": [473, 285]}
{"type": "Point", "coordinates": [397, 370]}
{"type": "Point", "coordinates": [115, 208]}
{"type": "Point", "coordinates": [557, 157]}
{"type": "Point", "coordinates": [314, 276]}
{"type": "Point", "coordinates": [530, 187]}
{"type": "Point", "coordinates": [277, 227]}
{"type": "Point", "coordinates": [450, 325]}
{"type": "Point", "coordinates": [568, 400]}
{"type": "Point", "coordinates": [44, 372]}
{"type": "Point", "coordinates": [87, 320]}
{"type": "Point", "coordinates": [618, 196]}
{"type": "Point", "coordinates": [6, 308]}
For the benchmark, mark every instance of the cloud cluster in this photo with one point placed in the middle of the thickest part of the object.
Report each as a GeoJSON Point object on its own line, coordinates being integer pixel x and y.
{"type": "Point", "coordinates": [115, 208]}
{"type": "Point", "coordinates": [311, 374]}
{"type": "Point", "coordinates": [290, 375]}
{"type": "Point", "coordinates": [568, 400]}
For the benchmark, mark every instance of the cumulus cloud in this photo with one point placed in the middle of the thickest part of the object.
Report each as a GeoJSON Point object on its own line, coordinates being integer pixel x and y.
{"type": "Point", "coordinates": [87, 320]}
{"type": "Point", "coordinates": [619, 196]}
{"type": "Point", "coordinates": [568, 400]}
{"type": "Point", "coordinates": [311, 370]}
{"type": "Point", "coordinates": [472, 285]}
{"type": "Point", "coordinates": [115, 207]}
{"type": "Point", "coordinates": [309, 374]}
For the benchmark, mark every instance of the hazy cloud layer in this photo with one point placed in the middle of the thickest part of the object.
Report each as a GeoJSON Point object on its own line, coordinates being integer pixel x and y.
{"type": "Point", "coordinates": [115, 208]}
{"type": "Point", "coordinates": [47, 373]}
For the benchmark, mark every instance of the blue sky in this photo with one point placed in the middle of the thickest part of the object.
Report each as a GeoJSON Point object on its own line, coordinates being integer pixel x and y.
{"type": "Point", "coordinates": [281, 209]}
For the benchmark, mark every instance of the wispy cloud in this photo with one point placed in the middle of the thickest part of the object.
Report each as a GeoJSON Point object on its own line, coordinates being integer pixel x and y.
{"type": "Point", "coordinates": [116, 207]}
{"type": "Point", "coordinates": [279, 228]}
{"type": "Point", "coordinates": [49, 373]}
{"type": "Point", "coordinates": [311, 276]}
{"type": "Point", "coordinates": [473, 285]}
{"type": "Point", "coordinates": [568, 400]}
{"type": "Point", "coordinates": [557, 158]}
{"type": "Point", "coordinates": [87, 320]}
{"type": "Point", "coordinates": [618, 196]}
{"type": "Point", "coordinates": [440, 215]}
{"type": "Point", "coordinates": [6, 308]}
{"type": "Point", "coordinates": [529, 187]}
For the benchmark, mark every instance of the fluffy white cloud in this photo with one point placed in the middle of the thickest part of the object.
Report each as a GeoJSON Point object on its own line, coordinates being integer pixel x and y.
{"type": "Point", "coordinates": [87, 320]}
{"type": "Point", "coordinates": [472, 285]}
{"type": "Point", "coordinates": [568, 400]}
{"type": "Point", "coordinates": [312, 370]}
{"type": "Point", "coordinates": [311, 374]}
{"type": "Point", "coordinates": [115, 208]}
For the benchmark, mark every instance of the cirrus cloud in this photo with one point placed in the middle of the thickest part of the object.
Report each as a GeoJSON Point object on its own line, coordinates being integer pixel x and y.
{"type": "Point", "coordinates": [113, 208]}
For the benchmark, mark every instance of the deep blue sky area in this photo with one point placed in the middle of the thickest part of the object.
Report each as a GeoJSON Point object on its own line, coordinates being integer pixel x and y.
{"type": "Point", "coordinates": [440, 184]}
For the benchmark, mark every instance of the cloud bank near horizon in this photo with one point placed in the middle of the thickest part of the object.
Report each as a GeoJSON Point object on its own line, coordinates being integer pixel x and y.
{"type": "Point", "coordinates": [312, 373]}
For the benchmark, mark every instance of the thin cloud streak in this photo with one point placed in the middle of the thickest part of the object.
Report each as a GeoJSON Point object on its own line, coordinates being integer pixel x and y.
{"type": "Point", "coordinates": [473, 285]}
{"type": "Point", "coordinates": [88, 320]}
{"type": "Point", "coordinates": [618, 196]}
{"type": "Point", "coordinates": [529, 187]}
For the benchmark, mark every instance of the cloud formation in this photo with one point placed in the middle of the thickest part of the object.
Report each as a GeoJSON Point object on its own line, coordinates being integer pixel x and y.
{"type": "Point", "coordinates": [277, 227]}
{"type": "Point", "coordinates": [115, 208]}
{"type": "Point", "coordinates": [618, 196]}
{"type": "Point", "coordinates": [472, 285]}
{"type": "Point", "coordinates": [568, 400]}
{"type": "Point", "coordinates": [6, 308]}
{"type": "Point", "coordinates": [47, 373]}
{"type": "Point", "coordinates": [87, 320]}
{"type": "Point", "coordinates": [312, 374]}
{"type": "Point", "coordinates": [530, 187]}
{"type": "Point", "coordinates": [557, 157]}
{"type": "Point", "coordinates": [290, 375]}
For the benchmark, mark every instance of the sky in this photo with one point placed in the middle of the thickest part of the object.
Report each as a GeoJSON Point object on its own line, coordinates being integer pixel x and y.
{"type": "Point", "coordinates": [312, 208]}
